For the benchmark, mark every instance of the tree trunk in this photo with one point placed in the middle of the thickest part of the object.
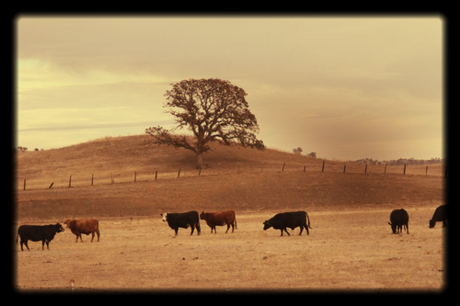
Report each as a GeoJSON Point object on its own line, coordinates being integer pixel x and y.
{"type": "Point", "coordinates": [199, 160]}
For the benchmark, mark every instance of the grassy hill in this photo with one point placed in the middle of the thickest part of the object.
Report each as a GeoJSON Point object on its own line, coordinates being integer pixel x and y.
{"type": "Point", "coordinates": [234, 178]}
{"type": "Point", "coordinates": [122, 156]}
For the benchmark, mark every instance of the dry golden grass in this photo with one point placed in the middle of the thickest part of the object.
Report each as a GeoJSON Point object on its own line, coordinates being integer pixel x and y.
{"type": "Point", "coordinates": [345, 250]}
{"type": "Point", "coordinates": [350, 246]}
{"type": "Point", "coordinates": [118, 158]}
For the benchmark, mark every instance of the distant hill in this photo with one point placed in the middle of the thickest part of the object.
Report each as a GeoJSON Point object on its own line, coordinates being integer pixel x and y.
{"type": "Point", "coordinates": [234, 178]}
{"type": "Point", "coordinates": [115, 155]}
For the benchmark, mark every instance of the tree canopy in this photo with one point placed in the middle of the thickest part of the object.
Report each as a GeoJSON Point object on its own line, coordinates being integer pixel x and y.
{"type": "Point", "coordinates": [213, 110]}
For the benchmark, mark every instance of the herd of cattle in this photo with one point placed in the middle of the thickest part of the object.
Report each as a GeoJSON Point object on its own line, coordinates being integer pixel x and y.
{"type": "Point", "coordinates": [45, 233]}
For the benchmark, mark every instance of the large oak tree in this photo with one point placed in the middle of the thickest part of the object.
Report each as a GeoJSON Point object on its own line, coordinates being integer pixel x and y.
{"type": "Point", "coordinates": [214, 110]}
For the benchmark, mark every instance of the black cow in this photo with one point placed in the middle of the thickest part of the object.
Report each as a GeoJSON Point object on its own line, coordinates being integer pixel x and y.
{"type": "Point", "coordinates": [184, 220]}
{"type": "Point", "coordinates": [398, 219]}
{"type": "Point", "coordinates": [289, 219]}
{"type": "Point", "coordinates": [440, 214]}
{"type": "Point", "coordinates": [45, 233]}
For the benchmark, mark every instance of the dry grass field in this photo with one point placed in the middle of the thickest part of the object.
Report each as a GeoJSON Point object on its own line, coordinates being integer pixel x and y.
{"type": "Point", "coordinates": [350, 245]}
{"type": "Point", "coordinates": [345, 250]}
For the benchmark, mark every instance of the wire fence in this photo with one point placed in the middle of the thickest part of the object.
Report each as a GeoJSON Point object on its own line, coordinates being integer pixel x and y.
{"type": "Point", "coordinates": [116, 177]}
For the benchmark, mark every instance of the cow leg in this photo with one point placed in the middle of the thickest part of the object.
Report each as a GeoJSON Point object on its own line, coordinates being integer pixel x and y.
{"type": "Point", "coordinates": [444, 223]}
{"type": "Point", "coordinates": [24, 242]}
{"type": "Point", "coordinates": [47, 244]}
{"type": "Point", "coordinates": [301, 230]}
{"type": "Point", "coordinates": [284, 229]}
{"type": "Point", "coordinates": [97, 232]}
{"type": "Point", "coordinates": [228, 227]}
{"type": "Point", "coordinates": [407, 228]}
{"type": "Point", "coordinates": [92, 236]}
{"type": "Point", "coordinates": [43, 245]}
{"type": "Point", "coordinates": [193, 229]}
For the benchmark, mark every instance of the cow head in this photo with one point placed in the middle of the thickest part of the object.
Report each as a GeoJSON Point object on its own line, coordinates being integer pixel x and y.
{"type": "Point", "coordinates": [202, 215]}
{"type": "Point", "coordinates": [68, 222]}
{"type": "Point", "coordinates": [267, 225]}
{"type": "Point", "coordinates": [164, 216]}
{"type": "Point", "coordinates": [59, 228]}
{"type": "Point", "coordinates": [393, 227]}
{"type": "Point", "coordinates": [432, 223]}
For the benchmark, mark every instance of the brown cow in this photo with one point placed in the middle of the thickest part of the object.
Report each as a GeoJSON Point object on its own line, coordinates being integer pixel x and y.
{"type": "Point", "coordinates": [86, 227]}
{"type": "Point", "coordinates": [219, 218]}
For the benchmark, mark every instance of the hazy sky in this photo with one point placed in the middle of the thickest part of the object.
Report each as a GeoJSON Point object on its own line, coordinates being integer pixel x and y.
{"type": "Point", "coordinates": [343, 87]}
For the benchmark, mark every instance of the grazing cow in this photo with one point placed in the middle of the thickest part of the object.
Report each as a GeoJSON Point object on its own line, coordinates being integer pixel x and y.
{"type": "Point", "coordinates": [45, 233]}
{"type": "Point", "coordinates": [289, 219]}
{"type": "Point", "coordinates": [184, 220]}
{"type": "Point", "coordinates": [220, 218]}
{"type": "Point", "coordinates": [86, 227]}
{"type": "Point", "coordinates": [398, 219]}
{"type": "Point", "coordinates": [440, 214]}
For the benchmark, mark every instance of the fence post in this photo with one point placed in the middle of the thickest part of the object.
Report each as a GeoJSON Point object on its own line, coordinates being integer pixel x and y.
{"type": "Point", "coordinates": [24, 184]}
{"type": "Point", "coordinates": [322, 170]}
{"type": "Point", "coordinates": [344, 168]}
{"type": "Point", "coordinates": [282, 170]}
{"type": "Point", "coordinates": [52, 183]}
{"type": "Point", "coordinates": [70, 181]}
{"type": "Point", "coordinates": [111, 178]}
{"type": "Point", "coordinates": [199, 172]}
{"type": "Point", "coordinates": [404, 172]}
{"type": "Point", "coordinates": [426, 171]}
{"type": "Point", "coordinates": [92, 179]}
{"type": "Point", "coordinates": [156, 172]}
{"type": "Point", "coordinates": [178, 173]}
{"type": "Point", "coordinates": [365, 169]}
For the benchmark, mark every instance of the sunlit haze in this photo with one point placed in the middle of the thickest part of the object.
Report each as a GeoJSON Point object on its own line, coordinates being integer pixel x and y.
{"type": "Point", "coordinates": [344, 87]}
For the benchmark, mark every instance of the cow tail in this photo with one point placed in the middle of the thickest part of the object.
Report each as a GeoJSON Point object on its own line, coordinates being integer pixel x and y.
{"type": "Point", "coordinates": [308, 218]}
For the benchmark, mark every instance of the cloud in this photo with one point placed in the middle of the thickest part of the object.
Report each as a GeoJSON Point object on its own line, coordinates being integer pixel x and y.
{"type": "Point", "coordinates": [316, 82]}
{"type": "Point", "coordinates": [88, 126]}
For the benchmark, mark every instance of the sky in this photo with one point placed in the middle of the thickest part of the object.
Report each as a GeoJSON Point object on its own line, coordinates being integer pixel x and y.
{"type": "Point", "coordinates": [345, 87]}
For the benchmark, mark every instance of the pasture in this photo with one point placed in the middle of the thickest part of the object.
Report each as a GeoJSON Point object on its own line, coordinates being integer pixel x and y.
{"type": "Point", "coordinates": [350, 246]}
{"type": "Point", "coordinates": [345, 250]}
